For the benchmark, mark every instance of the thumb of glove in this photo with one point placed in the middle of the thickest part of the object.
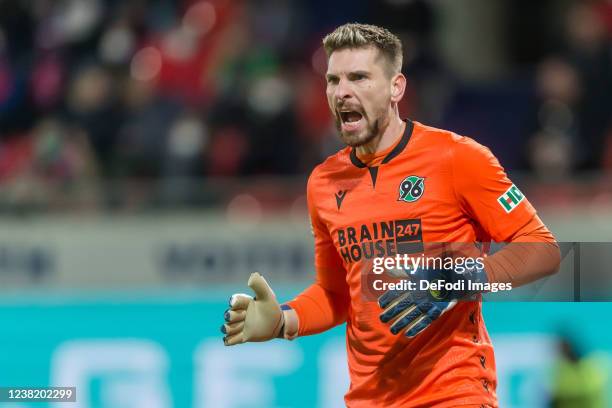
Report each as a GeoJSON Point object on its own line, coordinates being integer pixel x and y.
{"type": "Point", "coordinates": [262, 290]}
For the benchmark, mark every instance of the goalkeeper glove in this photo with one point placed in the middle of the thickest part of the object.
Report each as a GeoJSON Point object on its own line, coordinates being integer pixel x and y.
{"type": "Point", "coordinates": [253, 319]}
{"type": "Point", "coordinates": [412, 311]}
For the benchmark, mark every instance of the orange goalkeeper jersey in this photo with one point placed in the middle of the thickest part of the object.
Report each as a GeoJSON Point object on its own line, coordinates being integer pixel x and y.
{"type": "Point", "coordinates": [431, 186]}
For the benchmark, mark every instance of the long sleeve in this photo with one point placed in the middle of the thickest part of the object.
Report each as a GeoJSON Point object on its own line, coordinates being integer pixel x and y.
{"type": "Point", "coordinates": [319, 309]}
{"type": "Point", "coordinates": [505, 215]}
{"type": "Point", "coordinates": [326, 302]}
{"type": "Point", "coordinates": [531, 254]}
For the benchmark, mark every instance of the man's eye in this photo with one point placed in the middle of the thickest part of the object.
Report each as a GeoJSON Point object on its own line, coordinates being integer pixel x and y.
{"type": "Point", "coordinates": [332, 81]}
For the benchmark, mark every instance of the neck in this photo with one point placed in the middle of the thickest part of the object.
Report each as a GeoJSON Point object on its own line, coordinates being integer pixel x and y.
{"type": "Point", "coordinates": [386, 138]}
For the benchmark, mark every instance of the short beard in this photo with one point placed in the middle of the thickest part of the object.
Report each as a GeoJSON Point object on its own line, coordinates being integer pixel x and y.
{"type": "Point", "coordinates": [371, 132]}
{"type": "Point", "coordinates": [359, 140]}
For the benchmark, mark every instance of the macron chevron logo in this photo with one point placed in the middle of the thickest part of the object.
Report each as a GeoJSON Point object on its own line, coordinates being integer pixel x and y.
{"type": "Point", "coordinates": [340, 197]}
{"type": "Point", "coordinates": [511, 198]}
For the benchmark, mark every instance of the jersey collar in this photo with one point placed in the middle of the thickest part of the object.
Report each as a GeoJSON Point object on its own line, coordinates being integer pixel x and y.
{"type": "Point", "coordinates": [399, 147]}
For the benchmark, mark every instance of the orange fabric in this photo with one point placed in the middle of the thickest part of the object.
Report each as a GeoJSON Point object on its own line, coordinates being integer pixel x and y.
{"type": "Point", "coordinates": [357, 215]}
{"type": "Point", "coordinates": [320, 309]}
{"type": "Point", "coordinates": [531, 255]}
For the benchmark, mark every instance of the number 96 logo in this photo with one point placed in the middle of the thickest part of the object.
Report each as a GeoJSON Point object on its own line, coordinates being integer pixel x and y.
{"type": "Point", "coordinates": [411, 188]}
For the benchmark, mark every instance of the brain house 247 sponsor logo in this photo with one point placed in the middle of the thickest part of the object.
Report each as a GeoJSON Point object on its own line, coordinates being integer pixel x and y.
{"type": "Point", "coordinates": [380, 239]}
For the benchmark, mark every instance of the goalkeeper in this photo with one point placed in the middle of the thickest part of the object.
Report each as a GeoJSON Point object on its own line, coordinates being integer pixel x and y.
{"type": "Point", "coordinates": [397, 186]}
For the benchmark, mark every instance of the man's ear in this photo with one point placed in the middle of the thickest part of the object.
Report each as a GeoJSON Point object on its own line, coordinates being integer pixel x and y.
{"type": "Point", "coordinates": [398, 87]}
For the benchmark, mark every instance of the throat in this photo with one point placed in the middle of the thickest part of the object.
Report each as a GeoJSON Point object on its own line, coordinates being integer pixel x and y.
{"type": "Point", "coordinates": [370, 148]}
{"type": "Point", "coordinates": [382, 142]}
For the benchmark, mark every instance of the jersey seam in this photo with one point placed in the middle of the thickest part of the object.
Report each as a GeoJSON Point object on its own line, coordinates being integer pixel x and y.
{"type": "Point", "coordinates": [453, 176]}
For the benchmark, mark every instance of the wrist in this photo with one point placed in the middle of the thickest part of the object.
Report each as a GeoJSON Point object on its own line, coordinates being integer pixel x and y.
{"type": "Point", "coordinates": [289, 331]}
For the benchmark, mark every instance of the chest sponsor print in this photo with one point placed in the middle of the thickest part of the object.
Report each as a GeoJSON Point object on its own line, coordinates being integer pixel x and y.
{"type": "Point", "coordinates": [379, 239]}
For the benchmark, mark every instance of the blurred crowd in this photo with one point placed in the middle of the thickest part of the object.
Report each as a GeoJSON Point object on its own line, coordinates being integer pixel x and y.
{"type": "Point", "coordinates": [573, 123]}
{"type": "Point", "coordinates": [94, 93]}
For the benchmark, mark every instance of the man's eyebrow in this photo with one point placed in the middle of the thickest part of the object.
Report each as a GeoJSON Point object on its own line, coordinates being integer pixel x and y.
{"type": "Point", "coordinates": [360, 72]}
{"type": "Point", "coordinates": [331, 76]}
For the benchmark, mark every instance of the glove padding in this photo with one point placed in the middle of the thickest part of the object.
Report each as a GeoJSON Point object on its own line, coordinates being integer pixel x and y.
{"type": "Point", "coordinates": [253, 319]}
{"type": "Point", "coordinates": [412, 311]}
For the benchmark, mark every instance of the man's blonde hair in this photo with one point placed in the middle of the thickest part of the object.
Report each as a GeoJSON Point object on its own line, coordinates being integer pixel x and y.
{"type": "Point", "coordinates": [355, 35]}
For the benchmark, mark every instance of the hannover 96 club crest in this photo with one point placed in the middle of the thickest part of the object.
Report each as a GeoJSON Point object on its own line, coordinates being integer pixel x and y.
{"type": "Point", "coordinates": [411, 188]}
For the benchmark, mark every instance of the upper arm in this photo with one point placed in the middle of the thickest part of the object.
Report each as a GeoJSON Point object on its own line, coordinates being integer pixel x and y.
{"type": "Point", "coordinates": [330, 271]}
{"type": "Point", "coordinates": [485, 192]}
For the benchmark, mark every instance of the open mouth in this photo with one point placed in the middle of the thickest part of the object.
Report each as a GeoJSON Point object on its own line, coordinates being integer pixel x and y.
{"type": "Point", "coordinates": [350, 116]}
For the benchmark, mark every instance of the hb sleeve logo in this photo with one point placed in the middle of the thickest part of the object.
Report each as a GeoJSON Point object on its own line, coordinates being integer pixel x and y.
{"type": "Point", "coordinates": [511, 198]}
{"type": "Point", "coordinates": [411, 189]}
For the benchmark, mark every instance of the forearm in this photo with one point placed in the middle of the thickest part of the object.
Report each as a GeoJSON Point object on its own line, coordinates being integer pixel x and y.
{"type": "Point", "coordinates": [316, 309]}
{"type": "Point", "coordinates": [531, 255]}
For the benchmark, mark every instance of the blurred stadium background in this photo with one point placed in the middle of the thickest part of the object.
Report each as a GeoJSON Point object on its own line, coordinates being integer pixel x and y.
{"type": "Point", "coordinates": [153, 153]}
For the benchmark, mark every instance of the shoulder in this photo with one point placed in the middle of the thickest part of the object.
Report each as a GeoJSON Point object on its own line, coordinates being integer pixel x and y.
{"type": "Point", "coordinates": [458, 146]}
{"type": "Point", "coordinates": [443, 138]}
{"type": "Point", "coordinates": [468, 153]}
{"type": "Point", "coordinates": [330, 169]}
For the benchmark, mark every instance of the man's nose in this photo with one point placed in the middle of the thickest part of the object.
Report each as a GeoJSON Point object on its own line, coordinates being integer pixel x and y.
{"type": "Point", "coordinates": [343, 91]}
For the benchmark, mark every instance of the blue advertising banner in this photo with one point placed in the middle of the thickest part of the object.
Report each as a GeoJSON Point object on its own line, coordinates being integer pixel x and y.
{"type": "Point", "coordinates": [161, 351]}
